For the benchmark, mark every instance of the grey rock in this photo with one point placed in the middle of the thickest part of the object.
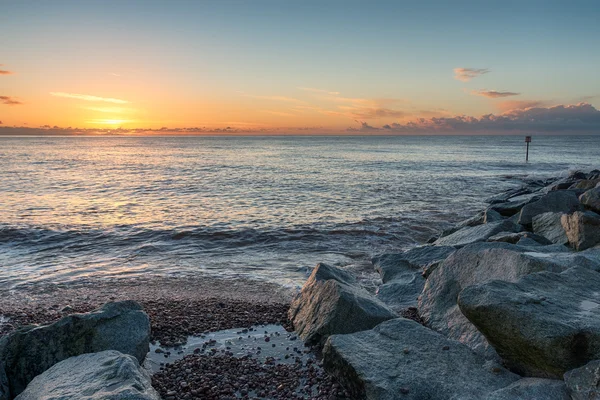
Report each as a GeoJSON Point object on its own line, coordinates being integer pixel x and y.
{"type": "Point", "coordinates": [490, 216]}
{"type": "Point", "coordinates": [561, 184]}
{"type": "Point", "coordinates": [549, 225]}
{"type": "Point", "coordinates": [401, 359]}
{"type": "Point", "coordinates": [507, 195]}
{"type": "Point", "coordinates": [584, 382]}
{"type": "Point", "coordinates": [475, 220]}
{"type": "Point", "coordinates": [4, 389]}
{"type": "Point", "coordinates": [526, 241]}
{"type": "Point", "coordinates": [541, 325]}
{"type": "Point", "coordinates": [28, 352]}
{"type": "Point", "coordinates": [331, 303]}
{"type": "Point", "coordinates": [532, 389]}
{"type": "Point", "coordinates": [511, 208]}
{"type": "Point", "coordinates": [558, 201]}
{"type": "Point", "coordinates": [515, 237]}
{"type": "Point", "coordinates": [108, 375]}
{"type": "Point", "coordinates": [478, 233]}
{"type": "Point", "coordinates": [582, 229]}
{"type": "Point", "coordinates": [483, 262]}
{"type": "Point", "coordinates": [416, 258]}
{"type": "Point", "coordinates": [585, 184]}
{"type": "Point", "coordinates": [506, 237]}
{"type": "Point", "coordinates": [591, 199]}
{"type": "Point", "coordinates": [403, 292]}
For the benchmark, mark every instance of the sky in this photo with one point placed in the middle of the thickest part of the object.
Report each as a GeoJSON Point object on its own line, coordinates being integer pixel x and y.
{"type": "Point", "coordinates": [299, 67]}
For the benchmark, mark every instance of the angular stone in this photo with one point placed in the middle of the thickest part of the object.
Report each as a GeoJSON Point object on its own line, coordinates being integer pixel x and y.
{"type": "Point", "coordinates": [95, 376]}
{"type": "Point", "coordinates": [585, 184]}
{"type": "Point", "coordinates": [121, 326]}
{"type": "Point", "coordinates": [478, 233]}
{"type": "Point", "coordinates": [541, 325]}
{"type": "Point", "coordinates": [510, 208]}
{"type": "Point", "coordinates": [416, 258]}
{"type": "Point", "coordinates": [402, 292]}
{"type": "Point", "coordinates": [582, 228]}
{"type": "Point", "coordinates": [584, 382]}
{"type": "Point", "coordinates": [549, 225]}
{"type": "Point", "coordinates": [401, 359]}
{"type": "Point", "coordinates": [483, 262]}
{"type": "Point", "coordinates": [532, 389]}
{"type": "Point", "coordinates": [591, 199]}
{"type": "Point", "coordinates": [557, 201]}
{"type": "Point", "coordinates": [331, 303]}
{"type": "Point", "coordinates": [515, 237]}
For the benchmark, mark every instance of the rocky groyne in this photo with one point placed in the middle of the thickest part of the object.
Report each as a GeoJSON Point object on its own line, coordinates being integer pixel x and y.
{"type": "Point", "coordinates": [505, 305]}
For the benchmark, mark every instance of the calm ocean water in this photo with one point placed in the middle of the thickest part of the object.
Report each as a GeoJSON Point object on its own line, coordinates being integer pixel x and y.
{"type": "Point", "coordinates": [268, 208]}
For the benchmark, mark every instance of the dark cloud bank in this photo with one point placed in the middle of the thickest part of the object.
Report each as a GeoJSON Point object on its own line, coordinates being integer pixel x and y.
{"type": "Point", "coordinates": [581, 118]}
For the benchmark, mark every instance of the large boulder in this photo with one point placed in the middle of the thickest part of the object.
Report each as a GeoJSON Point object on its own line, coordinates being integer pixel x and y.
{"type": "Point", "coordinates": [582, 228]}
{"type": "Point", "coordinates": [549, 225]}
{"type": "Point", "coordinates": [483, 262]}
{"type": "Point", "coordinates": [557, 201]}
{"type": "Point", "coordinates": [591, 199]}
{"type": "Point", "coordinates": [477, 233]}
{"type": "Point", "coordinates": [583, 383]}
{"type": "Point", "coordinates": [108, 375]}
{"type": "Point", "coordinates": [402, 274]}
{"type": "Point", "coordinates": [401, 359]}
{"type": "Point", "coordinates": [585, 184]}
{"type": "Point", "coordinates": [331, 302]}
{"type": "Point", "coordinates": [515, 237]}
{"type": "Point", "coordinates": [510, 208]}
{"type": "Point", "coordinates": [28, 352]}
{"type": "Point", "coordinates": [542, 325]}
{"type": "Point", "coordinates": [532, 389]}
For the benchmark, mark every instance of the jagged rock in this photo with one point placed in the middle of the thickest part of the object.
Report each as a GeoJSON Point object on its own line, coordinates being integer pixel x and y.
{"type": "Point", "coordinates": [549, 225]}
{"type": "Point", "coordinates": [419, 257]}
{"type": "Point", "coordinates": [515, 237]}
{"type": "Point", "coordinates": [585, 184]}
{"type": "Point", "coordinates": [583, 383]}
{"type": "Point", "coordinates": [582, 229]}
{"type": "Point", "coordinates": [558, 201]}
{"type": "Point", "coordinates": [108, 375]}
{"type": "Point", "coordinates": [477, 233]}
{"type": "Point", "coordinates": [121, 326]}
{"type": "Point", "coordinates": [510, 208]}
{"type": "Point", "coordinates": [483, 262]}
{"type": "Point", "coordinates": [331, 302]}
{"type": "Point", "coordinates": [591, 199]}
{"type": "Point", "coordinates": [532, 389]}
{"type": "Point", "coordinates": [401, 359]}
{"type": "Point", "coordinates": [507, 195]}
{"type": "Point", "coordinates": [490, 216]}
{"type": "Point", "coordinates": [541, 325]}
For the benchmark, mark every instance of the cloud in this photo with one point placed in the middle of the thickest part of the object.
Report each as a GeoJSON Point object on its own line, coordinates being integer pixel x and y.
{"type": "Point", "coordinates": [5, 72]}
{"type": "Point", "coordinates": [466, 74]}
{"type": "Point", "coordinates": [321, 91]}
{"type": "Point", "coordinates": [283, 99]}
{"type": "Point", "coordinates": [493, 94]}
{"type": "Point", "coordinates": [279, 113]}
{"type": "Point", "coordinates": [578, 118]}
{"type": "Point", "coordinates": [520, 104]}
{"type": "Point", "coordinates": [88, 97]}
{"type": "Point", "coordinates": [11, 101]}
{"type": "Point", "coordinates": [111, 110]}
{"type": "Point", "coordinates": [364, 127]}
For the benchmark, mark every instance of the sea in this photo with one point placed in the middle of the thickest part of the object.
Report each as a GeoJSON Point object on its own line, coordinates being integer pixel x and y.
{"type": "Point", "coordinates": [78, 209]}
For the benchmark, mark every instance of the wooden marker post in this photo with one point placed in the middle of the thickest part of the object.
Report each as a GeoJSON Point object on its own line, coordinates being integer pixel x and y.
{"type": "Point", "coordinates": [527, 140]}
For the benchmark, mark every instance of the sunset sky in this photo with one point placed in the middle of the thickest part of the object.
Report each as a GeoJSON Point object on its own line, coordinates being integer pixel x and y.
{"type": "Point", "coordinates": [300, 66]}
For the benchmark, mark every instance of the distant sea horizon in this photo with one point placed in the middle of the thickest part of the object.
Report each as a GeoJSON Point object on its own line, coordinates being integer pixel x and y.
{"type": "Point", "coordinates": [258, 207]}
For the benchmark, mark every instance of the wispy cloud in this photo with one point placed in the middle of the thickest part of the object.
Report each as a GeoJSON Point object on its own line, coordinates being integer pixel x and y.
{"type": "Point", "coordinates": [466, 74]}
{"type": "Point", "coordinates": [88, 97]}
{"type": "Point", "coordinates": [111, 110]}
{"type": "Point", "coordinates": [5, 72]}
{"type": "Point", "coordinates": [283, 99]}
{"type": "Point", "coordinates": [521, 104]}
{"type": "Point", "coordinates": [10, 101]}
{"type": "Point", "coordinates": [493, 94]}
{"type": "Point", "coordinates": [279, 113]}
{"type": "Point", "coordinates": [321, 91]}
